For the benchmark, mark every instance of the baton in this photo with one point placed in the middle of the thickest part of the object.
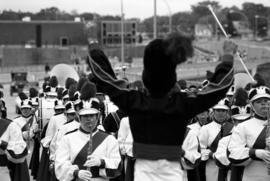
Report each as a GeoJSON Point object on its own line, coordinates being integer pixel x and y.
{"type": "Point", "coordinates": [226, 35]}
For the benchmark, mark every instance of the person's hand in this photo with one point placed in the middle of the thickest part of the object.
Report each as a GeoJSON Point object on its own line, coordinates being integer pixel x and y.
{"type": "Point", "coordinates": [205, 154]}
{"type": "Point", "coordinates": [92, 161]}
{"type": "Point", "coordinates": [263, 154]}
{"type": "Point", "coordinates": [229, 47]}
{"type": "Point", "coordinates": [84, 175]}
{"type": "Point", "coordinates": [267, 141]}
{"type": "Point", "coordinates": [26, 135]}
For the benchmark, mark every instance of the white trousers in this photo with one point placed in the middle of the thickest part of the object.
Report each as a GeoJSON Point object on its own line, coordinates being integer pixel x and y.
{"type": "Point", "coordinates": [4, 174]}
{"type": "Point", "coordinates": [157, 170]}
{"type": "Point", "coordinates": [256, 171]}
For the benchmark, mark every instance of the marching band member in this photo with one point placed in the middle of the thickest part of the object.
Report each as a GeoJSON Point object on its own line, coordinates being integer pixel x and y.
{"type": "Point", "coordinates": [72, 159]}
{"type": "Point", "coordinates": [190, 155]}
{"type": "Point", "coordinates": [199, 120]}
{"type": "Point", "coordinates": [34, 162]}
{"type": "Point", "coordinates": [158, 115]}
{"type": "Point", "coordinates": [210, 136]}
{"type": "Point", "coordinates": [26, 122]}
{"type": "Point", "coordinates": [13, 149]}
{"type": "Point", "coordinates": [70, 125]}
{"type": "Point", "coordinates": [55, 122]}
{"type": "Point", "coordinates": [125, 141]}
{"type": "Point", "coordinates": [240, 112]}
{"type": "Point", "coordinates": [248, 141]}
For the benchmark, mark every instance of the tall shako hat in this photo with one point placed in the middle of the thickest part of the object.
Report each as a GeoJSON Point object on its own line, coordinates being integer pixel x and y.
{"type": "Point", "coordinates": [77, 94]}
{"type": "Point", "coordinates": [25, 102]}
{"type": "Point", "coordinates": [89, 101]}
{"type": "Point", "coordinates": [240, 109]}
{"type": "Point", "coordinates": [222, 104]}
{"type": "Point", "coordinates": [65, 94]}
{"type": "Point", "coordinates": [33, 96]}
{"type": "Point", "coordinates": [69, 107]}
{"type": "Point", "coordinates": [51, 89]}
{"type": "Point", "coordinates": [161, 56]}
{"type": "Point", "coordinates": [259, 92]}
{"type": "Point", "coordinates": [58, 104]}
{"type": "Point", "coordinates": [77, 99]}
{"type": "Point", "coordinates": [70, 88]}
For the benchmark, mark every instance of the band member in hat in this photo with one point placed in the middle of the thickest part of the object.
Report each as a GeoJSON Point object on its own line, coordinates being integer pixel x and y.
{"type": "Point", "coordinates": [240, 112]}
{"type": "Point", "coordinates": [72, 157]}
{"type": "Point", "coordinates": [71, 125]}
{"type": "Point", "coordinates": [54, 124]}
{"type": "Point", "coordinates": [209, 137]}
{"type": "Point", "coordinates": [159, 116]}
{"type": "Point", "coordinates": [13, 149]}
{"type": "Point", "coordinates": [248, 141]}
{"type": "Point", "coordinates": [28, 127]}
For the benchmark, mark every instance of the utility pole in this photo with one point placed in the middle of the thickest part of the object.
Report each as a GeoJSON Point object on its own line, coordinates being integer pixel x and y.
{"type": "Point", "coordinates": [155, 19]}
{"type": "Point", "coordinates": [122, 34]}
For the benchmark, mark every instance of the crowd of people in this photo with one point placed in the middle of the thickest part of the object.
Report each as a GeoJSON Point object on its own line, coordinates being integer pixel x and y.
{"type": "Point", "coordinates": [103, 128]}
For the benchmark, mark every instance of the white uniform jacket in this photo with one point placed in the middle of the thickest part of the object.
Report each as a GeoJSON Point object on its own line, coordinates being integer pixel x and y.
{"type": "Point", "coordinates": [54, 124]}
{"type": "Point", "coordinates": [73, 146]}
{"type": "Point", "coordinates": [27, 125]}
{"type": "Point", "coordinates": [125, 138]}
{"type": "Point", "coordinates": [192, 150]}
{"type": "Point", "coordinates": [67, 127]}
{"type": "Point", "coordinates": [246, 138]}
{"type": "Point", "coordinates": [12, 146]}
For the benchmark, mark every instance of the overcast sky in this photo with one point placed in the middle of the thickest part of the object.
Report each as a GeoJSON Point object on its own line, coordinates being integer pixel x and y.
{"type": "Point", "coordinates": [132, 8]}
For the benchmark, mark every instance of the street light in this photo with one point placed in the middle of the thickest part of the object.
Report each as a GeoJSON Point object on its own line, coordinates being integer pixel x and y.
{"type": "Point", "coordinates": [170, 15]}
{"type": "Point", "coordinates": [155, 19]}
{"type": "Point", "coordinates": [256, 22]}
{"type": "Point", "coordinates": [122, 32]}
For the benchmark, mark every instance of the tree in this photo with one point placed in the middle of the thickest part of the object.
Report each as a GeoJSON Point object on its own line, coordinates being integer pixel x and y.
{"type": "Point", "coordinates": [200, 9]}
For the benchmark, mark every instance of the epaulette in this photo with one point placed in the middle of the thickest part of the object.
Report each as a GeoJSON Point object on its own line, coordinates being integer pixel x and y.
{"type": "Point", "coordinates": [71, 131]}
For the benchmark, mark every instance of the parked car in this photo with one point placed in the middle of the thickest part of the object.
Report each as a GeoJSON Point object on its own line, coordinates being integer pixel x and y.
{"type": "Point", "coordinates": [20, 82]}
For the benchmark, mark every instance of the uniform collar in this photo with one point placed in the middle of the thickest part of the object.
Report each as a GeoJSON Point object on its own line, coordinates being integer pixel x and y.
{"type": "Point", "coordinates": [260, 117]}
{"type": "Point", "coordinates": [86, 132]}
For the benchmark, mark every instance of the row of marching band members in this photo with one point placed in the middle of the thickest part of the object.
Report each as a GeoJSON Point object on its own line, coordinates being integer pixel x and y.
{"type": "Point", "coordinates": [226, 143]}
{"type": "Point", "coordinates": [233, 146]}
{"type": "Point", "coordinates": [74, 139]}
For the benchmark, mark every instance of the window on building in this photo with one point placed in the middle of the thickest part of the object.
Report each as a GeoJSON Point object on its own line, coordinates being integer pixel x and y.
{"type": "Point", "coordinates": [64, 41]}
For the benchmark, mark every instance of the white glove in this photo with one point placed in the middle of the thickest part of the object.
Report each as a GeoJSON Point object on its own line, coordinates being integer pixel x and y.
{"type": "Point", "coordinates": [92, 161]}
{"type": "Point", "coordinates": [205, 154]}
{"type": "Point", "coordinates": [26, 135]}
{"type": "Point", "coordinates": [263, 154]}
{"type": "Point", "coordinates": [84, 175]}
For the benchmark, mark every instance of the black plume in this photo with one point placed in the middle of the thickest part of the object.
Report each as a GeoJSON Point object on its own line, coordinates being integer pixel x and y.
{"type": "Point", "coordinates": [60, 93]}
{"type": "Point", "coordinates": [23, 96]}
{"type": "Point", "coordinates": [240, 97]}
{"type": "Point", "coordinates": [71, 91]}
{"type": "Point", "coordinates": [88, 91]}
{"type": "Point", "coordinates": [53, 81]}
{"type": "Point", "coordinates": [69, 82]}
{"type": "Point", "coordinates": [33, 92]}
{"type": "Point", "coordinates": [81, 81]}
